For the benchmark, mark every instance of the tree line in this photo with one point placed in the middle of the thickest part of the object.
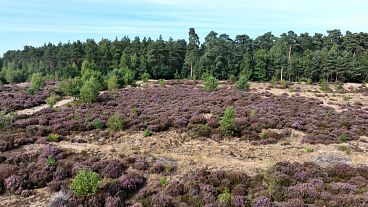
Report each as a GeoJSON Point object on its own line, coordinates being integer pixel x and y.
{"type": "Point", "coordinates": [333, 57]}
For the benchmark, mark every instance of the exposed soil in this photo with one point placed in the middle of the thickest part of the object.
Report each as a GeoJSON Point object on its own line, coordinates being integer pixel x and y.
{"type": "Point", "coordinates": [190, 152]}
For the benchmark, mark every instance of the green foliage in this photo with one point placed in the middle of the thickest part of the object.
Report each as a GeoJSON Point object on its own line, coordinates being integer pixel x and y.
{"type": "Point", "coordinates": [309, 149]}
{"type": "Point", "coordinates": [89, 91]}
{"type": "Point", "coordinates": [343, 137]}
{"type": "Point", "coordinates": [227, 122]}
{"type": "Point", "coordinates": [225, 197]}
{"type": "Point", "coordinates": [69, 71]}
{"type": "Point", "coordinates": [263, 135]}
{"type": "Point", "coordinates": [4, 120]}
{"type": "Point", "coordinates": [52, 100]}
{"type": "Point", "coordinates": [37, 83]}
{"type": "Point", "coordinates": [115, 123]}
{"type": "Point", "coordinates": [13, 75]}
{"type": "Point", "coordinates": [309, 81]}
{"type": "Point", "coordinates": [71, 87]}
{"type": "Point", "coordinates": [129, 77]}
{"type": "Point", "coordinates": [162, 82]}
{"type": "Point", "coordinates": [335, 56]}
{"type": "Point", "coordinates": [85, 183]}
{"type": "Point", "coordinates": [147, 133]}
{"type": "Point", "coordinates": [163, 182]}
{"type": "Point", "coordinates": [274, 80]}
{"type": "Point", "coordinates": [134, 110]}
{"type": "Point", "coordinates": [145, 76]}
{"type": "Point", "coordinates": [112, 86]}
{"type": "Point", "coordinates": [324, 86]}
{"type": "Point", "coordinates": [53, 138]}
{"type": "Point", "coordinates": [231, 78]}
{"type": "Point", "coordinates": [98, 124]}
{"type": "Point", "coordinates": [51, 161]}
{"type": "Point", "coordinates": [272, 184]}
{"type": "Point", "coordinates": [243, 83]}
{"type": "Point", "coordinates": [89, 70]}
{"type": "Point", "coordinates": [210, 83]}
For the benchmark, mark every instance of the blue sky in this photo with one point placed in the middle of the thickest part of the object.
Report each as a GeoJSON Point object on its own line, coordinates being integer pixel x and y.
{"type": "Point", "coordinates": [35, 22]}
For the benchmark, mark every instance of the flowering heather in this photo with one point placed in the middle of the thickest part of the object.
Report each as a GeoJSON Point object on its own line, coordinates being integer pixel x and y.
{"type": "Point", "coordinates": [162, 108]}
{"type": "Point", "coordinates": [131, 181]}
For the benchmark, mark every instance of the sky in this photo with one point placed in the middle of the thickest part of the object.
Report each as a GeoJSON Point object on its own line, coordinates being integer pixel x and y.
{"type": "Point", "coordinates": [36, 22]}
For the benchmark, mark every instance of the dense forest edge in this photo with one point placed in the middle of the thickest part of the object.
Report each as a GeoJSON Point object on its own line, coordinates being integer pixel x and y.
{"type": "Point", "coordinates": [290, 57]}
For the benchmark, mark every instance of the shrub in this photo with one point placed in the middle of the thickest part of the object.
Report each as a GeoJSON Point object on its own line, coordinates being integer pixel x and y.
{"type": "Point", "coordinates": [115, 123]}
{"type": "Point", "coordinates": [71, 87]}
{"type": "Point", "coordinates": [242, 83]}
{"type": "Point", "coordinates": [227, 122]}
{"type": "Point", "coordinates": [98, 124]}
{"type": "Point", "coordinates": [147, 133]}
{"type": "Point", "coordinates": [134, 110]}
{"type": "Point", "coordinates": [112, 85]}
{"type": "Point", "coordinates": [162, 82]}
{"type": "Point", "coordinates": [37, 83]}
{"type": "Point", "coordinates": [4, 120]}
{"type": "Point", "coordinates": [52, 100]}
{"type": "Point", "coordinates": [324, 85]}
{"type": "Point", "coordinates": [112, 201]}
{"type": "Point", "coordinates": [284, 84]}
{"type": "Point", "coordinates": [273, 80]}
{"type": "Point", "coordinates": [13, 75]}
{"type": "Point", "coordinates": [53, 138]}
{"type": "Point", "coordinates": [51, 161]}
{"type": "Point", "coordinates": [163, 182]}
{"type": "Point", "coordinates": [129, 76]}
{"type": "Point", "coordinates": [85, 183]}
{"type": "Point", "coordinates": [145, 76]}
{"type": "Point", "coordinates": [131, 181]}
{"type": "Point", "coordinates": [309, 81]}
{"type": "Point", "coordinates": [309, 149]}
{"type": "Point", "coordinates": [343, 137]}
{"type": "Point", "coordinates": [210, 83]}
{"type": "Point", "coordinates": [263, 135]}
{"type": "Point", "coordinates": [89, 91]}
{"type": "Point", "coordinates": [225, 197]}
{"type": "Point", "coordinates": [231, 78]}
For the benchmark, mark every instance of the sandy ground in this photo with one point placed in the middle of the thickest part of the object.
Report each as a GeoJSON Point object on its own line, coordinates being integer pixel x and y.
{"type": "Point", "coordinates": [229, 154]}
{"type": "Point", "coordinates": [39, 108]}
{"type": "Point", "coordinates": [189, 153]}
{"type": "Point", "coordinates": [333, 99]}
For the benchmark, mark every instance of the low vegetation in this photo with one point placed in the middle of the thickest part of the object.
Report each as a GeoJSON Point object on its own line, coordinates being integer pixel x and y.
{"type": "Point", "coordinates": [85, 183]}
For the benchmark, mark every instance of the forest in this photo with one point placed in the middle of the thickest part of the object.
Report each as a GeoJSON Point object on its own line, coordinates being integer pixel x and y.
{"type": "Point", "coordinates": [291, 57]}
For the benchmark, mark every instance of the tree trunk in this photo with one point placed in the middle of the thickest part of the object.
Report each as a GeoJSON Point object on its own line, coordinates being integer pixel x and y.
{"type": "Point", "coordinates": [282, 69]}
